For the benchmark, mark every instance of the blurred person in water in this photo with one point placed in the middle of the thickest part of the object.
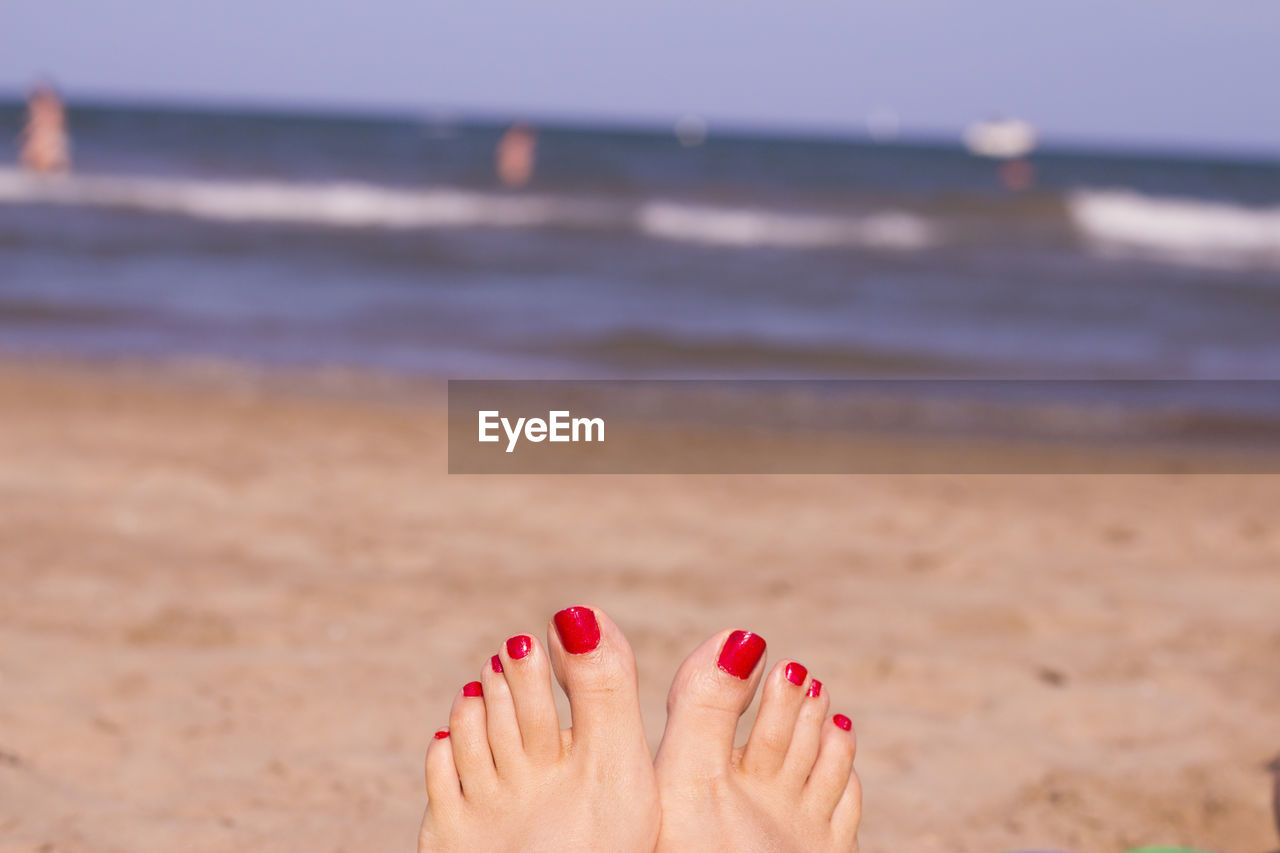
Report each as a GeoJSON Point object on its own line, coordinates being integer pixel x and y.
{"type": "Point", "coordinates": [45, 145]}
{"type": "Point", "coordinates": [515, 155]}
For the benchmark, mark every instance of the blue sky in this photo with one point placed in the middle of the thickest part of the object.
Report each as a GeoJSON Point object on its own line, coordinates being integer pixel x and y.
{"type": "Point", "coordinates": [1167, 73]}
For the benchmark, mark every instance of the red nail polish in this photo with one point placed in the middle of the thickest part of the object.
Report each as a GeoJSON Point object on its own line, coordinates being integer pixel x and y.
{"type": "Point", "coordinates": [442, 734]}
{"type": "Point", "coordinates": [578, 629]}
{"type": "Point", "coordinates": [842, 722]}
{"type": "Point", "coordinates": [796, 673]}
{"type": "Point", "coordinates": [741, 653]}
{"type": "Point", "coordinates": [519, 646]}
{"type": "Point", "coordinates": [496, 663]}
{"type": "Point", "coordinates": [472, 688]}
{"type": "Point", "coordinates": [815, 689]}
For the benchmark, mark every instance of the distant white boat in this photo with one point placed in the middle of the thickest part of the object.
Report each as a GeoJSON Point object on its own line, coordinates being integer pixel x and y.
{"type": "Point", "coordinates": [1004, 138]}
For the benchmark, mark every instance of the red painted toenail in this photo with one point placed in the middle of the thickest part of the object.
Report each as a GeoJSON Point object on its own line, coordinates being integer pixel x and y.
{"type": "Point", "coordinates": [815, 689]}
{"type": "Point", "coordinates": [519, 646]}
{"type": "Point", "coordinates": [578, 629]}
{"type": "Point", "coordinates": [842, 722]}
{"type": "Point", "coordinates": [496, 663]}
{"type": "Point", "coordinates": [472, 688]}
{"type": "Point", "coordinates": [796, 673]}
{"type": "Point", "coordinates": [442, 734]}
{"type": "Point", "coordinates": [741, 653]}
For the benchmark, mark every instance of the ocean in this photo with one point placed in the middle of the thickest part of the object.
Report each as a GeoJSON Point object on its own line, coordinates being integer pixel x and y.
{"type": "Point", "coordinates": [303, 240]}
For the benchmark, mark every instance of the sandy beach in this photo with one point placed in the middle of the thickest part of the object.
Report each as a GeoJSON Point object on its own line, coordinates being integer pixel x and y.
{"type": "Point", "coordinates": [233, 609]}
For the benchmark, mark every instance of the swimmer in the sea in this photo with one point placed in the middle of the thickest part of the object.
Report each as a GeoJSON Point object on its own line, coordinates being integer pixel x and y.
{"type": "Point", "coordinates": [503, 776]}
{"type": "Point", "coordinates": [45, 144]}
{"type": "Point", "coordinates": [515, 156]}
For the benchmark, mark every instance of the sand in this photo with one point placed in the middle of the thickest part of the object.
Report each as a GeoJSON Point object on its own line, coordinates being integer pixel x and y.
{"type": "Point", "coordinates": [233, 609]}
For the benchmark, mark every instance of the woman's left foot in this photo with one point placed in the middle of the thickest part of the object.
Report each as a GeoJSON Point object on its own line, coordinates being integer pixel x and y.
{"type": "Point", "coordinates": [504, 777]}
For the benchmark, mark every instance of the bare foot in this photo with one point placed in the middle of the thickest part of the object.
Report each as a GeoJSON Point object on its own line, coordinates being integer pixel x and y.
{"type": "Point", "coordinates": [791, 788]}
{"type": "Point", "coordinates": [504, 777]}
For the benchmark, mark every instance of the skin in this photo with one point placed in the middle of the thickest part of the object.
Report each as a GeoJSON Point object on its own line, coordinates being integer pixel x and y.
{"type": "Point", "coordinates": [791, 788]}
{"type": "Point", "coordinates": [1274, 767]}
{"type": "Point", "coordinates": [506, 778]}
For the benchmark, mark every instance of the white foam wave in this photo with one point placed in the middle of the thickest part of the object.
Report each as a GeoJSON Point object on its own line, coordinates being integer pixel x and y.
{"type": "Point", "coordinates": [728, 226]}
{"type": "Point", "coordinates": [334, 204]}
{"type": "Point", "coordinates": [359, 205]}
{"type": "Point", "coordinates": [1209, 233]}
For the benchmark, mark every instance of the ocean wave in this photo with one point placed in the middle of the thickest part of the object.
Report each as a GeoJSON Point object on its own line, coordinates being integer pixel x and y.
{"type": "Point", "coordinates": [726, 226]}
{"type": "Point", "coordinates": [358, 205]}
{"type": "Point", "coordinates": [1113, 222]}
{"type": "Point", "coordinates": [347, 204]}
{"type": "Point", "coordinates": [1180, 230]}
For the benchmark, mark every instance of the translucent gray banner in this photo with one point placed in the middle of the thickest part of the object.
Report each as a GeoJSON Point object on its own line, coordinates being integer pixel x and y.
{"type": "Point", "coordinates": [969, 426]}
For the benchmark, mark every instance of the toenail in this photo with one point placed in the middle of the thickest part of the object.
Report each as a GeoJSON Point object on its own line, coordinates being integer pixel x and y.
{"type": "Point", "coordinates": [741, 653]}
{"type": "Point", "coordinates": [578, 629]}
{"type": "Point", "coordinates": [472, 688]}
{"type": "Point", "coordinates": [815, 689]}
{"type": "Point", "coordinates": [796, 673]}
{"type": "Point", "coordinates": [842, 722]}
{"type": "Point", "coordinates": [519, 646]}
{"type": "Point", "coordinates": [442, 734]}
{"type": "Point", "coordinates": [496, 663]}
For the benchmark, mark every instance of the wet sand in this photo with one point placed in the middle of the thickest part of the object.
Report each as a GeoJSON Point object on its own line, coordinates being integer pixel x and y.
{"type": "Point", "coordinates": [234, 608]}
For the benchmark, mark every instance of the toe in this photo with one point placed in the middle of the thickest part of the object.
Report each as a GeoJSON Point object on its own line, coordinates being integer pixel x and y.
{"type": "Point", "coordinates": [711, 690]}
{"type": "Point", "coordinates": [469, 738]}
{"type": "Point", "coordinates": [831, 771]}
{"type": "Point", "coordinates": [780, 703]}
{"type": "Point", "coordinates": [443, 790]}
{"type": "Point", "coordinates": [528, 676]}
{"type": "Point", "coordinates": [807, 736]}
{"type": "Point", "coordinates": [848, 814]}
{"type": "Point", "coordinates": [500, 718]}
{"type": "Point", "coordinates": [597, 669]}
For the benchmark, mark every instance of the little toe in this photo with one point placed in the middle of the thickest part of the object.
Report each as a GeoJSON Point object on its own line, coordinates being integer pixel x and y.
{"type": "Point", "coordinates": [528, 676]}
{"type": "Point", "coordinates": [772, 733]}
{"type": "Point", "coordinates": [711, 689]}
{"type": "Point", "coordinates": [807, 736]}
{"type": "Point", "coordinates": [469, 739]}
{"type": "Point", "coordinates": [443, 790]}
{"type": "Point", "coordinates": [595, 665]}
{"type": "Point", "coordinates": [831, 771]}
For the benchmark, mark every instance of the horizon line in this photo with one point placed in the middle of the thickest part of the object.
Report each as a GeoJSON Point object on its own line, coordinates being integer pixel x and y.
{"type": "Point", "coordinates": [910, 136]}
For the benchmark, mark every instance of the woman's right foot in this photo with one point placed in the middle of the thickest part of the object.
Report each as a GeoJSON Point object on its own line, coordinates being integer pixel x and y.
{"type": "Point", "coordinates": [791, 788]}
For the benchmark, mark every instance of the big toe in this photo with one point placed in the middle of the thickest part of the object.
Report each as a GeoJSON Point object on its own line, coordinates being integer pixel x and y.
{"type": "Point", "coordinates": [595, 665]}
{"type": "Point", "coordinates": [711, 690]}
